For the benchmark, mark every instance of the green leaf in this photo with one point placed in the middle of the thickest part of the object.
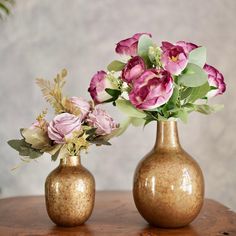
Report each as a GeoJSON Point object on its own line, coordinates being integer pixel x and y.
{"type": "Point", "coordinates": [16, 143]}
{"type": "Point", "coordinates": [24, 148]}
{"type": "Point", "coordinates": [143, 47]}
{"type": "Point", "coordinates": [183, 115]}
{"type": "Point", "coordinates": [100, 142]}
{"type": "Point", "coordinates": [193, 76]}
{"type": "Point", "coordinates": [199, 92]}
{"type": "Point", "coordinates": [207, 109]}
{"type": "Point", "coordinates": [185, 93]}
{"type": "Point", "coordinates": [137, 121]}
{"type": "Point", "coordinates": [55, 156]}
{"type": "Point", "coordinates": [116, 66]}
{"type": "Point", "coordinates": [126, 107]}
{"type": "Point", "coordinates": [198, 56]}
{"type": "Point", "coordinates": [115, 93]}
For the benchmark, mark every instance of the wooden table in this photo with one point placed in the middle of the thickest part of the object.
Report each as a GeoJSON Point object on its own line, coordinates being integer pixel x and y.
{"type": "Point", "coordinates": [114, 214]}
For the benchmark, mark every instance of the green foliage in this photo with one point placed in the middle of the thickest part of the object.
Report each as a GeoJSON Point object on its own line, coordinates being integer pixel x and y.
{"type": "Point", "coordinates": [143, 48]}
{"type": "Point", "coordinates": [114, 93]}
{"type": "Point", "coordinates": [207, 109]}
{"type": "Point", "coordinates": [5, 7]}
{"type": "Point", "coordinates": [193, 76]}
{"type": "Point", "coordinates": [126, 107]}
{"type": "Point", "coordinates": [198, 56]}
{"type": "Point", "coordinates": [116, 66]}
{"type": "Point", "coordinates": [24, 148]}
{"type": "Point", "coordinates": [198, 92]}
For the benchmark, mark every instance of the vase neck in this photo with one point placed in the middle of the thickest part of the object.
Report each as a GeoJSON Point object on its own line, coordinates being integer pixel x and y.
{"type": "Point", "coordinates": [70, 161]}
{"type": "Point", "coordinates": [167, 135]}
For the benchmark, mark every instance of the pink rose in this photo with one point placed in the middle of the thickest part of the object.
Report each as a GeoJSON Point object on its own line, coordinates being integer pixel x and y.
{"type": "Point", "coordinates": [62, 127]}
{"type": "Point", "coordinates": [98, 84]}
{"type": "Point", "coordinates": [102, 121]}
{"type": "Point", "coordinates": [129, 46]}
{"type": "Point", "coordinates": [82, 104]}
{"type": "Point", "coordinates": [215, 79]}
{"type": "Point", "coordinates": [133, 69]}
{"type": "Point", "coordinates": [174, 58]}
{"type": "Point", "coordinates": [152, 89]}
{"type": "Point", "coordinates": [187, 46]}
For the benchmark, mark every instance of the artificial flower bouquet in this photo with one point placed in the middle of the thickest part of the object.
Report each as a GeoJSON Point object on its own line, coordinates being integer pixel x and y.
{"type": "Point", "coordinates": [77, 124]}
{"type": "Point", "coordinates": [153, 82]}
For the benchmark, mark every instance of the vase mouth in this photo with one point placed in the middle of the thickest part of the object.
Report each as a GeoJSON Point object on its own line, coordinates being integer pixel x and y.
{"type": "Point", "coordinates": [70, 160]}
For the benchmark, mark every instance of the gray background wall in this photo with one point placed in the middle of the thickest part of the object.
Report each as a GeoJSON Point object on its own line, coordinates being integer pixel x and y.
{"type": "Point", "coordinates": [42, 37]}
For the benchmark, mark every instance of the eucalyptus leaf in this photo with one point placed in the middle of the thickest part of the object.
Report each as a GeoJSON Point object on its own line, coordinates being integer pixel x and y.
{"type": "Point", "coordinates": [126, 107]}
{"type": "Point", "coordinates": [199, 92]}
{"type": "Point", "coordinates": [137, 121]}
{"type": "Point", "coordinates": [193, 76]}
{"type": "Point", "coordinates": [143, 47]}
{"type": "Point", "coordinates": [208, 109]}
{"type": "Point", "coordinates": [183, 115]}
{"type": "Point", "coordinates": [185, 93]}
{"type": "Point", "coordinates": [198, 56]}
{"type": "Point", "coordinates": [116, 66]}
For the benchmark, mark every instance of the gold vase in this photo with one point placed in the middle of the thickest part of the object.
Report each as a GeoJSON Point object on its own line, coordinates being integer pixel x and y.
{"type": "Point", "coordinates": [70, 193]}
{"type": "Point", "coordinates": [168, 187]}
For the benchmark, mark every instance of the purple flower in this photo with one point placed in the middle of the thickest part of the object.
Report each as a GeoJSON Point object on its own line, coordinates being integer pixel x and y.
{"type": "Point", "coordinates": [174, 58]}
{"type": "Point", "coordinates": [100, 120]}
{"type": "Point", "coordinates": [215, 79]}
{"type": "Point", "coordinates": [129, 46]}
{"type": "Point", "coordinates": [133, 69]}
{"type": "Point", "coordinates": [82, 104]}
{"type": "Point", "coordinates": [62, 127]}
{"type": "Point", "coordinates": [187, 46]}
{"type": "Point", "coordinates": [152, 89]}
{"type": "Point", "coordinates": [98, 84]}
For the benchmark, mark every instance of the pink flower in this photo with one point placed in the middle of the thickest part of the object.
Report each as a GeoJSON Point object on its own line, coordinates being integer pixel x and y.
{"type": "Point", "coordinates": [82, 104]}
{"type": "Point", "coordinates": [187, 46]}
{"type": "Point", "coordinates": [100, 120]}
{"type": "Point", "coordinates": [97, 87]}
{"type": "Point", "coordinates": [129, 46]}
{"type": "Point", "coordinates": [215, 79]}
{"type": "Point", "coordinates": [174, 58]}
{"type": "Point", "coordinates": [62, 127]}
{"type": "Point", "coordinates": [152, 89]}
{"type": "Point", "coordinates": [133, 69]}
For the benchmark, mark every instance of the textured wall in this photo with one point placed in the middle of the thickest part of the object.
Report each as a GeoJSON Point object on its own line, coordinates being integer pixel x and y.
{"type": "Point", "coordinates": [43, 37]}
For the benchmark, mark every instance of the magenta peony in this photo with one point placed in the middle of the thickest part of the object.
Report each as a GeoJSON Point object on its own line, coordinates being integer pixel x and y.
{"type": "Point", "coordinates": [97, 87]}
{"type": "Point", "coordinates": [133, 69]}
{"type": "Point", "coordinates": [187, 46]}
{"type": "Point", "coordinates": [129, 46]}
{"type": "Point", "coordinates": [215, 79]}
{"type": "Point", "coordinates": [152, 89]}
{"type": "Point", "coordinates": [174, 58]}
{"type": "Point", "coordinates": [63, 126]}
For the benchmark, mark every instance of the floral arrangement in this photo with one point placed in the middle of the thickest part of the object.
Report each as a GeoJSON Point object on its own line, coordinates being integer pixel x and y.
{"type": "Point", "coordinates": [152, 82]}
{"type": "Point", "coordinates": [77, 124]}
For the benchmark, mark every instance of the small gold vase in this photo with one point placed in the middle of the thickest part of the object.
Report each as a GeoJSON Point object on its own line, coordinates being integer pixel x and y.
{"type": "Point", "coordinates": [168, 187]}
{"type": "Point", "coordinates": [70, 193]}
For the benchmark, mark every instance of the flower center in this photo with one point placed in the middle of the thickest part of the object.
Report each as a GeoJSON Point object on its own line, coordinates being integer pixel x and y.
{"type": "Point", "coordinates": [174, 59]}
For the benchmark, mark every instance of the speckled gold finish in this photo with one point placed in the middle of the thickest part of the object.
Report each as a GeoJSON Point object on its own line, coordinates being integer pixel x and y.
{"type": "Point", "coordinates": [70, 193]}
{"type": "Point", "coordinates": [168, 186]}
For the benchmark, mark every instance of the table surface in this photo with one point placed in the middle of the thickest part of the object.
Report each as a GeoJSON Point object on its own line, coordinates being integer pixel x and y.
{"type": "Point", "coordinates": [114, 214]}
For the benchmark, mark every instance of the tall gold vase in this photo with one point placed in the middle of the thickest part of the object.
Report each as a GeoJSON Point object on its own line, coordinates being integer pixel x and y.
{"type": "Point", "coordinates": [168, 187]}
{"type": "Point", "coordinates": [70, 193]}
